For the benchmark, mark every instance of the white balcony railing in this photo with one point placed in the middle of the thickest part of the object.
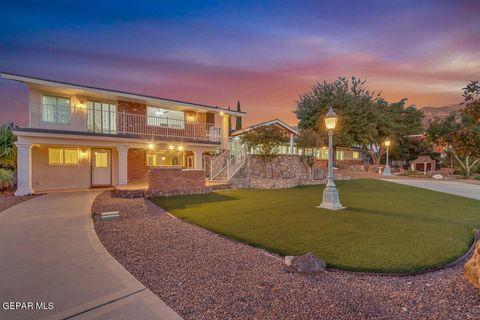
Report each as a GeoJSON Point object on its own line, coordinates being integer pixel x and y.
{"type": "Point", "coordinates": [120, 123]}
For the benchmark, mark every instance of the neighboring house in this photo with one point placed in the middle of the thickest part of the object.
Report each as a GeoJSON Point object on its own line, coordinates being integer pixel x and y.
{"type": "Point", "coordinates": [343, 156]}
{"type": "Point", "coordinates": [81, 136]}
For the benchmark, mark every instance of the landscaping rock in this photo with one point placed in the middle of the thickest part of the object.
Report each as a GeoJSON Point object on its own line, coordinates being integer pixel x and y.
{"type": "Point", "coordinates": [308, 263]}
{"type": "Point", "coordinates": [288, 260]}
{"type": "Point", "coordinates": [472, 267]}
{"type": "Point", "coordinates": [437, 177]}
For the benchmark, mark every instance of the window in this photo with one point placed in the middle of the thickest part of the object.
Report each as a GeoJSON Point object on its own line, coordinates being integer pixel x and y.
{"type": "Point", "coordinates": [56, 109]}
{"type": "Point", "coordinates": [356, 155]}
{"type": "Point", "coordinates": [62, 156]}
{"type": "Point", "coordinates": [159, 117]}
{"type": "Point", "coordinates": [158, 159]}
{"type": "Point", "coordinates": [101, 160]}
{"type": "Point", "coordinates": [101, 117]}
{"type": "Point", "coordinates": [324, 154]}
{"type": "Point", "coordinates": [340, 155]}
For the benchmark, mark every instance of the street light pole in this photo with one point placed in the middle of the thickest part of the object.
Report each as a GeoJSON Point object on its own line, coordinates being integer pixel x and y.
{"type": "Point", "coordinates": [387, 171]}
{"type": "Point", "coordinates": [331, 199]}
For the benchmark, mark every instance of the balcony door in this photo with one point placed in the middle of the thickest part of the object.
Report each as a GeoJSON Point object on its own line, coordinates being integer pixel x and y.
{"type": "Point", "coordinates": [102, 116]}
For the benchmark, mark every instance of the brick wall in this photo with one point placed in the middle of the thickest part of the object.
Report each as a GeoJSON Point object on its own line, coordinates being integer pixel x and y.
{"type": "Point", "coordinates": [176, 181]}
{"type": "Point", "coordinates": [132, 107]}
{"type": "Point", "coordinates": [137, 165]}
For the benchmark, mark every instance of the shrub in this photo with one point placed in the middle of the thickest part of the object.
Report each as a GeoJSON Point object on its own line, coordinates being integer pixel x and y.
{"type": "Point", "coordinates": [8, 180]}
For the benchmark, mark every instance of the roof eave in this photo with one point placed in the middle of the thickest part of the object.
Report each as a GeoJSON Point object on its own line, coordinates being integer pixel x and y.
{"type": "Point", "coordinates": [34, 80]}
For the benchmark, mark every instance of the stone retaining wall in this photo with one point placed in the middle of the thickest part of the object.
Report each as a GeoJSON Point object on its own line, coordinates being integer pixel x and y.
{"type": "Point", "coordinates": [279, 167]}
{"type": "Point", "coordinates": [253, 183]}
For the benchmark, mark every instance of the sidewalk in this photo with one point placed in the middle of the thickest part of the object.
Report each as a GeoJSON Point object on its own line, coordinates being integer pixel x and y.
{"type": "Point", "coordinates": [452, 187]}
{"type": "Point", "coordinates": [49, 252]}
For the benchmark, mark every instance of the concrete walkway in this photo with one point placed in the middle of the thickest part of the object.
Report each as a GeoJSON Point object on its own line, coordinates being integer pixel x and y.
{"type": "Point", "coordinates": [49, 252]}
{"type": "Point", "coordinates": [453, 187]}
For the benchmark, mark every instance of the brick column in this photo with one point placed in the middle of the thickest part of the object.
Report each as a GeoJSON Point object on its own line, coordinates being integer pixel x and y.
{"type": "Point", "coordinates": [24, 169]}
{"type": "Point", "coordinates": [122, 165]}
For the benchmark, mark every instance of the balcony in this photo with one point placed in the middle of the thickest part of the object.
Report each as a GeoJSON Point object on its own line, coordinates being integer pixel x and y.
{"type": "Point", "coordinates": [65, 118]}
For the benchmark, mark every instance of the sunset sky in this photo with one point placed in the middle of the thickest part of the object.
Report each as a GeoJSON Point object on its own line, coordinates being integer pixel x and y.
{"type": "Point", "coordinates": [263, 53]}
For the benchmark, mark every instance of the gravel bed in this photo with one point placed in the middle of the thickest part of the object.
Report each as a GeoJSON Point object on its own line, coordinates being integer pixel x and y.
{"type": "Point", "coordinates": [202, 275]}
{"type": "Point", "coordinates": [9, 200]}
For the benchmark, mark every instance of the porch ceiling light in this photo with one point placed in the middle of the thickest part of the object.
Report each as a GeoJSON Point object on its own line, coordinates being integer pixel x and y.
{"type": "Point", "coordinates": [151, 146]}
{"type": "Point", "coordinates": [331, 119]}
{"type": "Point", "coordinates": [180, 148]}
{"type": "Point", "coordinates": [170, 147]}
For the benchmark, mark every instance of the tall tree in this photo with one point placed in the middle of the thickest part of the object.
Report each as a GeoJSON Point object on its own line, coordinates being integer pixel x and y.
{"type": "Point", "coordinates": [459, 133]}
{"type": "Point", "coordinates": [365, 118]}
{"type": "Point", "coordinates": [471, 95]}
{"type": "Point", "coordinates": [238, 124]}
{"type": "Point", "coordinates": [229, 122]}
{"type": "Point", "coordinates": [459, 138]}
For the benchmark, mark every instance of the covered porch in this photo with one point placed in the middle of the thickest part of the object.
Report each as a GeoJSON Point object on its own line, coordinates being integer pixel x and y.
{"type": "Point", "coordinates": [47, 163]}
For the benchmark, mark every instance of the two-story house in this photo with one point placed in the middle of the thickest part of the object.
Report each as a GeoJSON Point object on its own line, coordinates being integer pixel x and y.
{"type": "Point", "coordinates": [81, 136]}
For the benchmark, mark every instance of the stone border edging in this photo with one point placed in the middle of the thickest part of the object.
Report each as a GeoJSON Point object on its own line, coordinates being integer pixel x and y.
{"type": "Point", "coordinates": [383, 274]}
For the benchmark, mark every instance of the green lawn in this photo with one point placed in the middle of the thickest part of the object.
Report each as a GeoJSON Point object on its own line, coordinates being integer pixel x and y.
{"type": "Point", "coordinates": [386, 227]}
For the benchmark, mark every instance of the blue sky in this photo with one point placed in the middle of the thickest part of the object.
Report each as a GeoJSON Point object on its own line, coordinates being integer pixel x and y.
{"type": "Point", "coordinates": [263, 53]}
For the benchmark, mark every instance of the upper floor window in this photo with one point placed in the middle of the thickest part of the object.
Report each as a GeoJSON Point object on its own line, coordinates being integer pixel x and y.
{"type": "Point", "coordinates": [160, 117]}
{"type": "Point", "coordinates": [56, 109]}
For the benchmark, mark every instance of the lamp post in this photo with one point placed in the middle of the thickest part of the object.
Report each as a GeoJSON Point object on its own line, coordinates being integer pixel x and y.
{"type": "Point", "coordinates": [387, 171]}
{"type": "Point", "coordinates": [331, 199]}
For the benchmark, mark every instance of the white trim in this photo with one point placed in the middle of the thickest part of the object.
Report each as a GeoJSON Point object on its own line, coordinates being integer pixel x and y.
{"type": "Point", "coordinates": [97, 141]}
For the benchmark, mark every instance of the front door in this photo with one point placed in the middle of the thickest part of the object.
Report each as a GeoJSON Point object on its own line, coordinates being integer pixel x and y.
{"type": "Point", "coordinates": [101, 167]}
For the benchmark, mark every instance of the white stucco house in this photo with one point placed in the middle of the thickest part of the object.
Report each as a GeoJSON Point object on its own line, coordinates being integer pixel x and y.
{"type": "Point", "coordinates": [79, 136]}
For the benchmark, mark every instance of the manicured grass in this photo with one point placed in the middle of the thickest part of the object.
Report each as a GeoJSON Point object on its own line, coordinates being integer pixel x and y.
{"type": "Point", "coordinates": [386, 227]}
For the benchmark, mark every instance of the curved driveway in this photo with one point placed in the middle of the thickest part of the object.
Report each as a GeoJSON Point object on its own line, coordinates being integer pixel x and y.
{"type": "Point", "coordinates": [453, 187]}
{"type": "Point", "coordinates": [49, 252]}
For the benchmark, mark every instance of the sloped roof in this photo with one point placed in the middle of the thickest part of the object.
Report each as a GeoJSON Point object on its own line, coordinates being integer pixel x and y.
{"type": "Point", "coordinates": [124, 94]}
{"type": "Point", "coordinates": [276, 122]}
{"type": "Point", "coordinates": [423, 159]}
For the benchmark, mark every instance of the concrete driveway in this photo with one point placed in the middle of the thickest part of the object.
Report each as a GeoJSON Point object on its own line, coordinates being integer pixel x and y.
{"type": "Point", "coordinates": [50, 254]}
{"type": "Point", "coordinates": [452, 187]}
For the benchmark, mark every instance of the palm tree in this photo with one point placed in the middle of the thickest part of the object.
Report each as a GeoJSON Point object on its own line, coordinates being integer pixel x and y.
{"type": "Point", "coordinates": [8, 158]}
{"type": "Point", "coordinates": [8, 151]}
